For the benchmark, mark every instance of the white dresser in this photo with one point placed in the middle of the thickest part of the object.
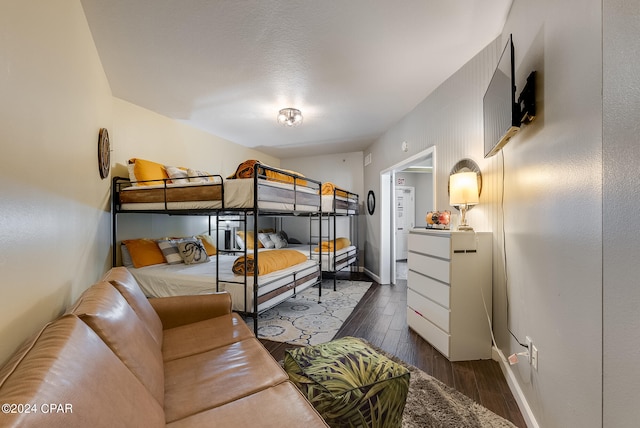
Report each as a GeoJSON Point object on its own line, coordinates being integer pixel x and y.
{"type": "Point", "coordinates": [449, 272]}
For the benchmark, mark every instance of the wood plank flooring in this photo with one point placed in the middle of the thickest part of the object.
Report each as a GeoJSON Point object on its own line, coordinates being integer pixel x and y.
{"type": "Point", "coordinates": [381, 319]}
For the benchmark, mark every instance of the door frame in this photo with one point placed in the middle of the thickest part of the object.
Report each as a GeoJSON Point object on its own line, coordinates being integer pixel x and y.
{"type": "Point", "coordinates": [387, 267]}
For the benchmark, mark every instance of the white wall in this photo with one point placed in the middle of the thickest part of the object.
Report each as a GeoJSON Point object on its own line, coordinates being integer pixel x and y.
{"type": "Point", "coordinates": [141, 133]}
{"type": "Point", "coordinates": [621, 154]}
{"type": "Point", "coordinates": [54, 224]}
{"type": "Point", "coordinates": [345, 170]}
{"type": "Point", "coordinates": [553, 199]}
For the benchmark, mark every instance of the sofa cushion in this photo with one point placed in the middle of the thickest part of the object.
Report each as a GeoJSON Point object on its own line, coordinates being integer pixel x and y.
{"type": "Point", "coordinates": [191, 339]}
{"type": "Point", "coordinates": [276, 407]}
{"type": "Point", "coordinates": [210, 379]}
{"type": "Point", "coordinates": [127, 285]}
{"type": "Point", "coordinates": [67, 363]}
{"type": "Point", "coordinates": [106, 311]}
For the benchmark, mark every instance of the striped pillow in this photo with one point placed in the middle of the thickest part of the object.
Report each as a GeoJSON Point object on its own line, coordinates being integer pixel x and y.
{"type": "Point", "coordinates": [170, 251]}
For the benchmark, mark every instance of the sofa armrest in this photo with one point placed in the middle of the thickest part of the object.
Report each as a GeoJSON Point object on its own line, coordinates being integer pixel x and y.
{"type": "Point", "coordinates": [180, 310]}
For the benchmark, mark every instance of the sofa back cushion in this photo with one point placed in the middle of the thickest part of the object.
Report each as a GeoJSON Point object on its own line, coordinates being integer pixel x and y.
{"type": "Point", "coordinates": [127, 285]}
{"type": "Point", "coordinates": [104, 309]}
{"type": "Point", "coordinates": [70, 378]}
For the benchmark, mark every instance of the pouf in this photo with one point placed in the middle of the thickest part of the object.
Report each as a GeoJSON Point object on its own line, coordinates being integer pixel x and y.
{"type": "Point", "coordinates": [349, 383]}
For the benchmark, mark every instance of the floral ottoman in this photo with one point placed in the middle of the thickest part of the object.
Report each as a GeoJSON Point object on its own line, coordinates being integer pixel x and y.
{"type": "Point", "coordinates": [349, 383]}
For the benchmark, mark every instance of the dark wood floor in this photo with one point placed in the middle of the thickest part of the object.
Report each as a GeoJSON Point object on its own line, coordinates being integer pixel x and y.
{"type": "Point", "coordinates": [381, 319]}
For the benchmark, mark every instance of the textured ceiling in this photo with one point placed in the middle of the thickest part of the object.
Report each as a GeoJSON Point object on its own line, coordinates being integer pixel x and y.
{"type": "Point", "coordinates": [353, 67]}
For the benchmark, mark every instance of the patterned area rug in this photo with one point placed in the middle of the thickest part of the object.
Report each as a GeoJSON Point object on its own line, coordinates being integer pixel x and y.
{"type": "Point", "coordinates": [432, 404]}
{"type": "Point", "coordinates": [304, 321]}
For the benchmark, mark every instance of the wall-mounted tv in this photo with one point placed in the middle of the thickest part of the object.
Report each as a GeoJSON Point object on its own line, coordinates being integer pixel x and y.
{"type": "Point", "coordinates": [500, 110]}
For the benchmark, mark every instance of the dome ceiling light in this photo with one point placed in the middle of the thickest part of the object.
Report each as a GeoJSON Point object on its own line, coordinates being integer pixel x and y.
{"type": "Point", "coordinates": [290, 117]}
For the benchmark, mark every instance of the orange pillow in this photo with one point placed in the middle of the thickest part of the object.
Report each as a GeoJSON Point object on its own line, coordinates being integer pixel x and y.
{"type": "Point", "coordinates": [144, 252]}
{"type": "Point", "coordinates": [147, 170]}
{"type": "Point", "coordinates": [209, 244]}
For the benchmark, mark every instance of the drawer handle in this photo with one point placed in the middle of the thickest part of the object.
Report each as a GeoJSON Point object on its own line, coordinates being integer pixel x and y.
{"type": "Point", "coordinates": [464, 251]}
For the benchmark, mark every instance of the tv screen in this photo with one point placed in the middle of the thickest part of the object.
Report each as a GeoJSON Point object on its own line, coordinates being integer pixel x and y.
{"type": "Point", "coordinates": [500, 110]}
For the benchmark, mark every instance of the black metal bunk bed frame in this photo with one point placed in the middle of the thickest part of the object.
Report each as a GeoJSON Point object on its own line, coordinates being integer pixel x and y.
{"type": "Point", "coordinates": [280, 195]}
{"type": "Point", "coordinates": [347, 205]}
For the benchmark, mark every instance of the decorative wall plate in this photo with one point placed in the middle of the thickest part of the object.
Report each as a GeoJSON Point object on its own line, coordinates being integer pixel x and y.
{"type": "Point", "coordinates": [104, 153]}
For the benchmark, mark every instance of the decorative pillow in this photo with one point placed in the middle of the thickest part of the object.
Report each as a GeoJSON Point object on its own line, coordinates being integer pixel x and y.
{"type": "Point", "coordinates": [279, 239]}
{"type": "Point", "coordinates": [192, 251]}
{"type": "Point", "coordinates": [144, 252]}
{"type": "Point", "coordinates": [249, 240]}
{"type": "Point", "coordinates": [170, 251]}
{"type": "Point", "coordinates": [125, 256]}
{"type": "Point", "coordinates": [177, 175]}
{"type": "Point", "coordinates": [197, 176]}
{"type": "Point", "coordinates": [131, 167]}
{"type": "Point", "coordinates": [209, 244]}
{"type": "Point", "coordinates": [266, 241]}
{"type": "Point", "coordinates": [148, 173]}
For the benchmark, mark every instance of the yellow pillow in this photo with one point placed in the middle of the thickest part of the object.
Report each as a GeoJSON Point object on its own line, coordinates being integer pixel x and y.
{"type": "Point", "coordinates": [144, 252]}
{"type": "Point", "coordinates": [147, 170]}
{"type": "Point", "coordinates": [209, 244]}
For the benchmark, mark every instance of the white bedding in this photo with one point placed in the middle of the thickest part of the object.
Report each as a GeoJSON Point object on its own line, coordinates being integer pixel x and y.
{"type": "Point", "coordinates": [165, 280]}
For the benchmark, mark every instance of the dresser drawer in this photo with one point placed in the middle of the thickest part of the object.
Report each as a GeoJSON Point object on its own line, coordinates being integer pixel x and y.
{"type": "Point", "coordinates": [429, 309]}
{"type": "Point", "coordinates": [429, 266]}
{"type": "Point", "coordinates": [433, 245]}
{"type": "Point", "coordinates": [428, 331]}
{"type": "Point", "coordinates": [436, 291]}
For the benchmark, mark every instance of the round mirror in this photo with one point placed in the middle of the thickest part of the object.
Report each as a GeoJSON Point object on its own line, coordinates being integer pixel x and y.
{"type": "Point", "coordinates": [371, 202]}
{"type": "Point", "coordinates": [466, 165]}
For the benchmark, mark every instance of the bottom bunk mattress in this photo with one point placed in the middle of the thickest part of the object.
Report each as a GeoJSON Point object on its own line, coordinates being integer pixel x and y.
{"type": "Point", "coordinates": [165, 280]}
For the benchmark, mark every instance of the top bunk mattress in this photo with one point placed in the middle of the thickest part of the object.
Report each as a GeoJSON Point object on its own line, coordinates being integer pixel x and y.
{"type": "Point", "coordinates": [238, 194]}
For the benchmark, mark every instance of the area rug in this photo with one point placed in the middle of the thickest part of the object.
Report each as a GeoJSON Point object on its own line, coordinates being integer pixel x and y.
{"type": "Point", "coordinates": [303, 321]}
{"type": "Point", "coordinates": [431, 403]}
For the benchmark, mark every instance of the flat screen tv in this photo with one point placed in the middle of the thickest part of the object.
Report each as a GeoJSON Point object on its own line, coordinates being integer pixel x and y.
{"type": "Point", "coordinates": [500, 110]}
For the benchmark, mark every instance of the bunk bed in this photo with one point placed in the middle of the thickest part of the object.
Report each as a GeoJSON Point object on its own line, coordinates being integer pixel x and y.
{"type": "Point", "coordinates": [336, 251]}
{"type": "Point", "coordinates": [255, 191]}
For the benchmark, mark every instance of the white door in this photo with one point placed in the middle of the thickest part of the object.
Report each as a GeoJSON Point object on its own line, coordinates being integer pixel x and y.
{"type": "Point", "coordinates": [405, 219]}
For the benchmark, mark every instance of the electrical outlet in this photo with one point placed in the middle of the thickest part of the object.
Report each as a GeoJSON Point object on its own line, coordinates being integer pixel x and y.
{"type": "Point", "coordinates": [534, 357]}
{"type": "Point", "coordinates": [529, 350]}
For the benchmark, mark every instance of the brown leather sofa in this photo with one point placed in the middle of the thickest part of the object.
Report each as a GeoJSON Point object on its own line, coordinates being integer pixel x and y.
{"type": "Point", "coordinates": [116, 359]}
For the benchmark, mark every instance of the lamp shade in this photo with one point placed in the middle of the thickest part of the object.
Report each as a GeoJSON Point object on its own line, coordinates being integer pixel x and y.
{"type": "Point", "coordinates": [463, 188]}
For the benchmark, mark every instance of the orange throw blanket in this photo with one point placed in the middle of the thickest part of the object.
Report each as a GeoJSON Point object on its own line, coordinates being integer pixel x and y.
{"type": "Point", "coordinates": [268, 261]}
{"type": "Point", "coordinates": [246, 169]}
{"type": "Point", "coordinates": [328, 188]}
{"type": "Point", "coordinates": [339, 244]}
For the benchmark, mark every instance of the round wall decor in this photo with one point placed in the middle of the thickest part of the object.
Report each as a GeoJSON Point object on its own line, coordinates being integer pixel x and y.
{"type": "Point", "coordinates": [371, 202]}
{"type": "Point", "coordinates": [104, 153]}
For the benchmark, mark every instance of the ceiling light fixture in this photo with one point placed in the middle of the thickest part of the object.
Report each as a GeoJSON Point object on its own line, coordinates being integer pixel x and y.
{"type": "Point", "coordinates": [289, 117]}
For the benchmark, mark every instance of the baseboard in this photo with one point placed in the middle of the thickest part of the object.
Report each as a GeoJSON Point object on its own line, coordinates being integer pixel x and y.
{"type": "Point", "coordinates": [372, 275]}
{"type": "Point", "coordinates": [517, 392]}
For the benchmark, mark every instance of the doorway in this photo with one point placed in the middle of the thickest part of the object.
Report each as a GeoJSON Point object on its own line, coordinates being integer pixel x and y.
{"type": "Point", "coordinates": [417, 172]}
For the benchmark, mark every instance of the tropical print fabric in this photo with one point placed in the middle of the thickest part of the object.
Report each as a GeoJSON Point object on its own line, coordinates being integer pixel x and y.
{"type": "Point", "coordinates": [350, 384]}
